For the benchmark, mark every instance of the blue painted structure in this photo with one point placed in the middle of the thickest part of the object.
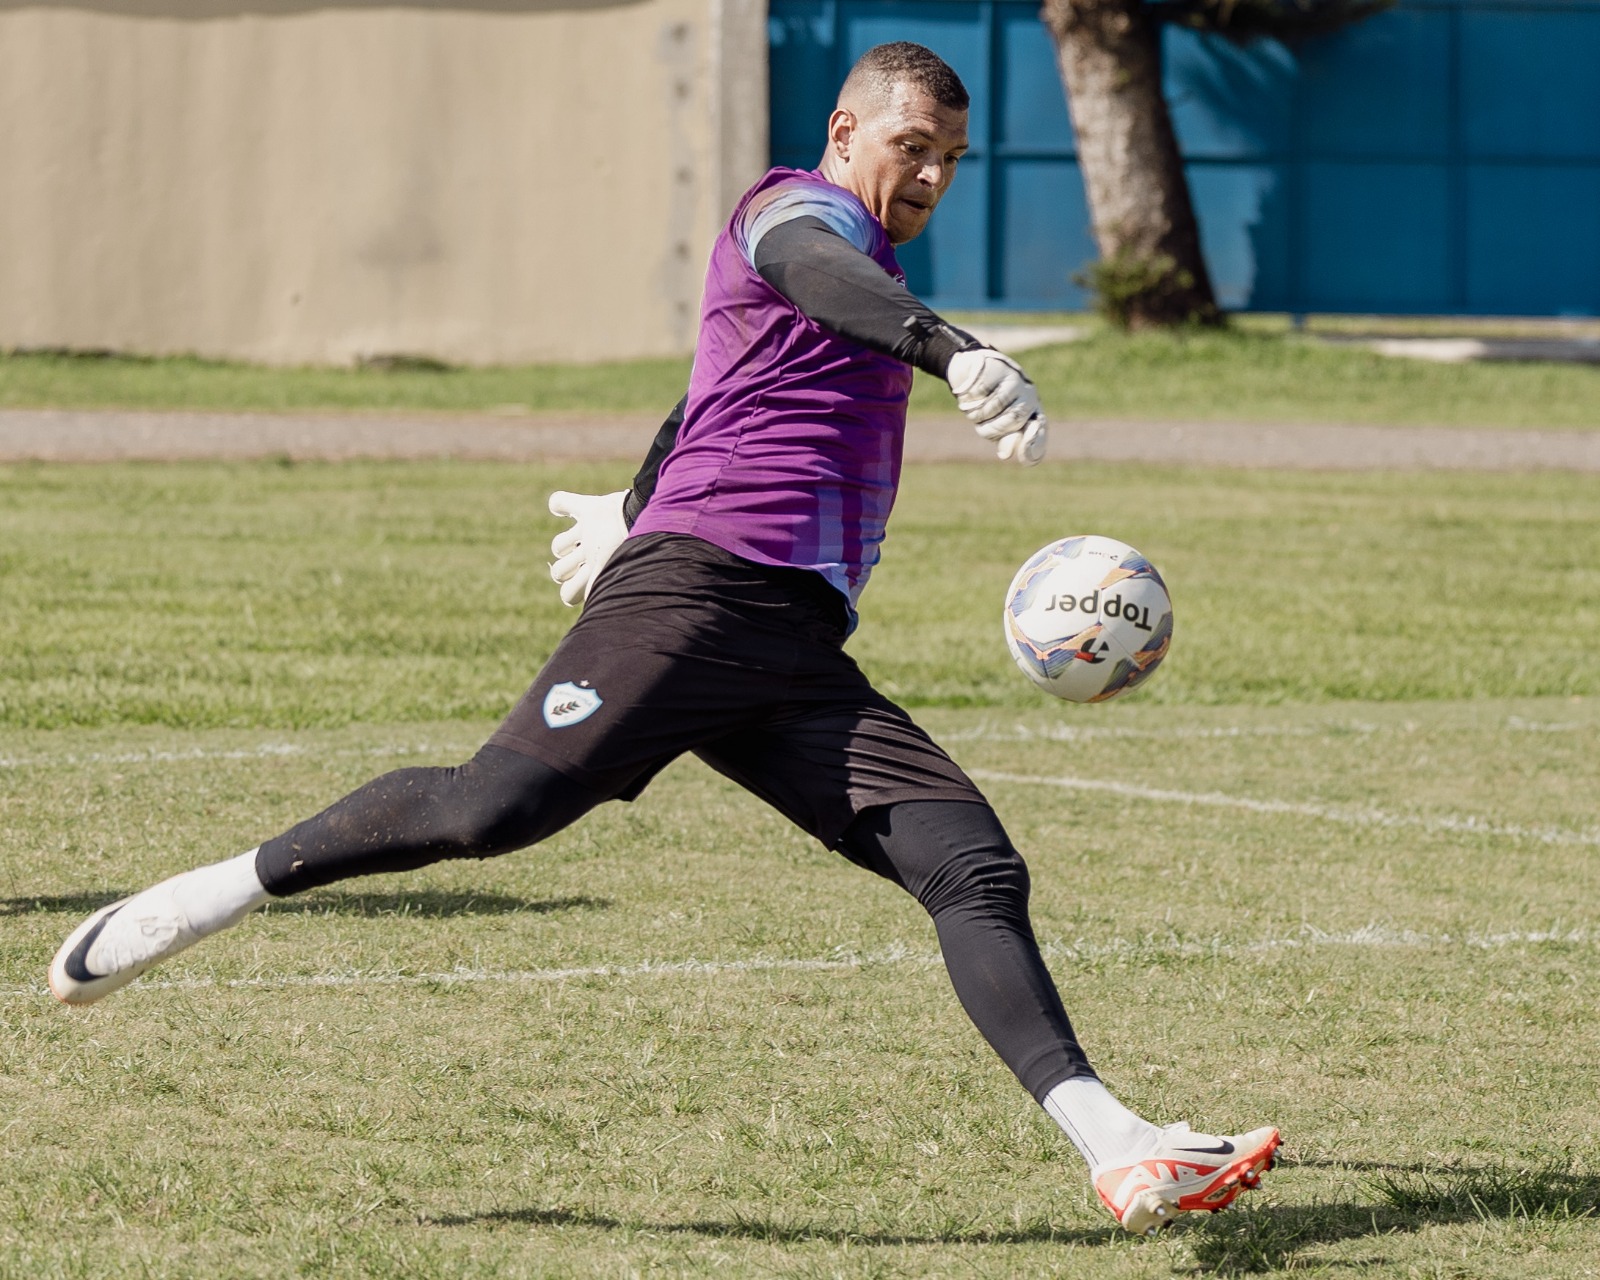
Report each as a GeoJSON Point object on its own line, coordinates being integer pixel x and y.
{"type": "Point", "coordinates": [1442, 157]}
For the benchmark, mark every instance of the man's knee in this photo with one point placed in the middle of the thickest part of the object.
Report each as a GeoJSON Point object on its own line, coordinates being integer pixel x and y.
{"type": "Point", "coordinates": [502, 800]}
{"type": "Point", "coordinates": [943, 852]}
{"type": "Point", "coordinates": [994, 877]}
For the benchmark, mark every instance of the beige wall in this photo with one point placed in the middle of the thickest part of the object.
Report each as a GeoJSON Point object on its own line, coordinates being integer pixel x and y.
{"type": "Point", "coordinates": [280, 181]}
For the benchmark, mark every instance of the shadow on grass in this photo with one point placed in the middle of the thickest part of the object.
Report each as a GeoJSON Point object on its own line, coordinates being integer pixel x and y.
{"type": "Point", "coordinates": [1248, 1239]}
{"type": "Point", "coordinates": [44, 903]}
{"type": "Point", "coordinates": [775, 1233]}
{"type": "Point", "coordinates": [1251, 1239]}
{"type": "Point", "coordinates": [422, 904]}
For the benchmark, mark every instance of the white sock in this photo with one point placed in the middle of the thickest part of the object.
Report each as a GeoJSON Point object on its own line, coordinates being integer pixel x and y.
{"type": "Point", "coordinates": [219, 895]}
{"type": "Point", "coordinates": [1103, 1130]}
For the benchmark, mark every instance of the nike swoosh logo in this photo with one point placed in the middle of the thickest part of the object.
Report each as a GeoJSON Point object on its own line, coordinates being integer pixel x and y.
{"type": "Point", "coordinates": [1221, 1149]}
{"type": "Point", "coordinates": [76, 964]}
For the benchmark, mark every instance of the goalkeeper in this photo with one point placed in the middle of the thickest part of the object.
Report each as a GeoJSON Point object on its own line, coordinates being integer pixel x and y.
{"type": "Point", "coordinates": [718, 593]}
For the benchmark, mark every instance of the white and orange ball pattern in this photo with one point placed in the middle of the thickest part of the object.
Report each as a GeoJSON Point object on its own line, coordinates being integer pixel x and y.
{"type": "Point", "coordinates": [1088, 618]}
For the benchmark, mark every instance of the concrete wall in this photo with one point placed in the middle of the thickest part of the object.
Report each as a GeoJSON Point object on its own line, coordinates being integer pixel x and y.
{"type": "Point", "coordinates": [284, 181]}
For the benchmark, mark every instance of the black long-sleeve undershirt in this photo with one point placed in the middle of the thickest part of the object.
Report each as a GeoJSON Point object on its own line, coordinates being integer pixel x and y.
{"type": "Point", "coordinates": [846, 292]}
{"type": "Point", "coordinates": [833, 283]}
{"type": "Point", "coordinates": [644, 483]}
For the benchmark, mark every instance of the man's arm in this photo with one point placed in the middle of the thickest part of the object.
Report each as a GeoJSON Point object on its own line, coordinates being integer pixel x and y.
{"type": "Point", "coordinates": [842, 289]}
{"type": "Point", "coordinates": [600, 522]}
{"type": "Point", "coordinates": [644, 482]}
{"type": "Point", "coordinates": [845, 291]}
{"type": "Point", "coordinates": [835, 284]}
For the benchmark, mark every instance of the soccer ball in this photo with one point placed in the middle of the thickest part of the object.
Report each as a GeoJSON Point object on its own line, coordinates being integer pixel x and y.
{"type": "Point", "coordinates": [1088, 618]}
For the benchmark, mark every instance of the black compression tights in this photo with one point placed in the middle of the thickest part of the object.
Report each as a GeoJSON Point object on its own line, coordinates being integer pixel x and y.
{"type": "Point", "coordinates": [957, 861]}
{"type": "Point", "coordinates": [498, 801]}
{"type": "Point", "coordinates": [953, 857]}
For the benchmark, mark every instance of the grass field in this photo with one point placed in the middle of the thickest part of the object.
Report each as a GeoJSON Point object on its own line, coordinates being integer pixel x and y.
{"type": "Point", "coordinates": [1255, 372]}
{"type": "Point", "coordinates": [1334, 868]}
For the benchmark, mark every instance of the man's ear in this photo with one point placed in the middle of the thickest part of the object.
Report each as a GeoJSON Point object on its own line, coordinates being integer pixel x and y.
{"type": "Point", "coordinates": [841, 130]}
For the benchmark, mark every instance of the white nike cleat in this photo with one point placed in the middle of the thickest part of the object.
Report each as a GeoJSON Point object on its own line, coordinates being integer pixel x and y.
{"type": "Point", "coordinates": [120, 941]}
{"type": "Point", "coordinates": [1185, 1172]}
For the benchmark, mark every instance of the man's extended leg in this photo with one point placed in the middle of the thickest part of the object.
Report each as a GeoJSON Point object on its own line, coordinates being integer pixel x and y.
{"type": "Point", "coordinates": [957, 861]}
{"type": "Point", "coordinates": [679, 641]}
{"type": "Point", "coordinates": [954, 857]}
{"type": "Point", "coordinates": [498, 801]}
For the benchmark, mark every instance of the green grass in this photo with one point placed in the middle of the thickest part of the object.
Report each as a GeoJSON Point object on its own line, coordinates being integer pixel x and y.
{"type": "Point", "coordinates": [1254, 372]}
{"type": "Point", "coordinates": [67, 381]}
{"type": "Point", "coordinates": [1336, 324]}
{"type": "Point", "coordinates": [1247, 375]}
{"type": "Point", "coordinates": [328, 594]}
{"type": "Point", "coordinates": [1344, 885]}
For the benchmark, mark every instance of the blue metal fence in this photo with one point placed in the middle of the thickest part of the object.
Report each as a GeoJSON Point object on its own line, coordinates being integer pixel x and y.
{"type": "Point", "coordinates": [1442, 157]}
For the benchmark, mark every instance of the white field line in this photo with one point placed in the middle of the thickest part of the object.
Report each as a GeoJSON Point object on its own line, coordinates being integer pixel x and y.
{"type": "Point", "coordinates": [1467, 824]}
{"type": "Point", "coordinates": [990, 732]}
{"type": "Point", "coordinates": [467, 974]}
{"type": "Point", "coordinates": [1104, 733]}
{"type": "Point", "coordinates": [1152, 948]}
{"type": "Point", "coordinates": [264, 751]}
{"type": "Point", "coordinates": [986, 732]}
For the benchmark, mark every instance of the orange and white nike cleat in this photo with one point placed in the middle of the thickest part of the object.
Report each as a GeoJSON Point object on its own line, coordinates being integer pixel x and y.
{"type": "Point", "coordinates": [1186, 1171]}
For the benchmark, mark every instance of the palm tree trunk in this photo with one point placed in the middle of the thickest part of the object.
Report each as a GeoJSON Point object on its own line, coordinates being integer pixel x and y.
{"type": "Point", "coordinates": [1150, 270]}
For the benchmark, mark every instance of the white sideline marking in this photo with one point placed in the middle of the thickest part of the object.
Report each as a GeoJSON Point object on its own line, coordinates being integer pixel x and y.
{"type": "Point", "coordinates": [266, 751]}
{"type": "Point", "coordinates": [1021, 732]}
{"type": "Point", "coordinates": [1467, 825]}
{"type": "Point", "coordinates": [1309, 937]}
{"type": "Point", "coordinates": [462, 974]}
{"type": "Point", "coordinates": [1093, 733]}
{"type": "Point", "coordinates": [987, 732]}
{"type": "Point", "coordinates": [1368, 935]}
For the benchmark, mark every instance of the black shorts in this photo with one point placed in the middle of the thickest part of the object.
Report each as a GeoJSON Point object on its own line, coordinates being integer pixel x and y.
{"type": "Point", "coordinates": [686, 647]}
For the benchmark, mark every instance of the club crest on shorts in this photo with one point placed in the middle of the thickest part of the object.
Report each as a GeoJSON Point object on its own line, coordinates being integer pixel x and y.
{"type": "Point", "coordinates": [569, 703]}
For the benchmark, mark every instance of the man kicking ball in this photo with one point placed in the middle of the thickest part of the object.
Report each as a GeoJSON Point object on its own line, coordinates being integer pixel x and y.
{"type": "Point", "coordinates": [718, 592]}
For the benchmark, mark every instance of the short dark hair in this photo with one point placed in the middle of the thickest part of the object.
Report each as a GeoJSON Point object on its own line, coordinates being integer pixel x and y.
{"type": "Point", "coordinates": [883, 66]}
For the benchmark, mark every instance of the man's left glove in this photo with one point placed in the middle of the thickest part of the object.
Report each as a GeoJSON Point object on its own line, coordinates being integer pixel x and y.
{"type": "Point", "coordinates": [1001, 403]}
{"type": "Point", "coordinates": [598, 529]}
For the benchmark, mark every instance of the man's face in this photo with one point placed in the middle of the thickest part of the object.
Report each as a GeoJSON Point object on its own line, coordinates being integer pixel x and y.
{"type": "Point", "coordinates": [898, 156]}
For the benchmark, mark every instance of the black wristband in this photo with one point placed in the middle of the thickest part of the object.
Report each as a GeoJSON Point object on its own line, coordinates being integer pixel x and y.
{"type": "Point", "coordinates": [935, 344]}
{"type": "Point", "coordinates": [632, 507]}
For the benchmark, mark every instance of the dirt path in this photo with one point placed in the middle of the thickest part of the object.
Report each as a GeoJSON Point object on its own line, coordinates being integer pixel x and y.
{"type": "Point", "coordinates": [70, 436]}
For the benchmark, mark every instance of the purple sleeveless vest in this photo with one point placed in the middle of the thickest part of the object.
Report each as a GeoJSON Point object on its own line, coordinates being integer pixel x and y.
{"type": "Point", "coordinates": [791, 442]}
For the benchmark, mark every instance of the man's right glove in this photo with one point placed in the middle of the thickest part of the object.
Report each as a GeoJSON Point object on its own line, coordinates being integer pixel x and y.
{"type": "Point", "coordinates": [994, 393]}
{"type": "Point", "coordinates": [598, 529]}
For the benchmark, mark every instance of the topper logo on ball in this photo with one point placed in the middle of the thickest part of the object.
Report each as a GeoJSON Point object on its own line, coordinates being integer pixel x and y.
{"type": "Point", "coordinates": [1116, 607]}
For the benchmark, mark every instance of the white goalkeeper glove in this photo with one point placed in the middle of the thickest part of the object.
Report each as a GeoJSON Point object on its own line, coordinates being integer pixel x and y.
{"type": "Point", "coordinates": [1003, 406]}
{"type": "Point", "coordinates": [581, 552]}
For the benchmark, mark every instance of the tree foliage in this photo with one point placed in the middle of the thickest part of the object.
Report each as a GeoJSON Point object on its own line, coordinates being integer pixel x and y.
{"type": "Point", "coordinates": [1246, 20]}
{"type": "Point", "coordinates": [1151, 272]}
